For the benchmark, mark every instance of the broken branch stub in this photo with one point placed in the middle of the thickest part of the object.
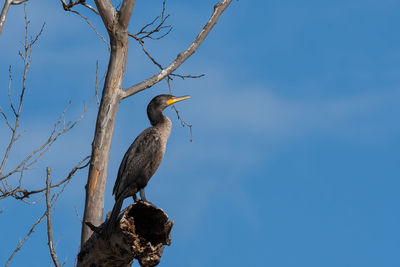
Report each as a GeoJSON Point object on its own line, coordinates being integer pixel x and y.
{"type": "Point", "coordinates": [142, 232]}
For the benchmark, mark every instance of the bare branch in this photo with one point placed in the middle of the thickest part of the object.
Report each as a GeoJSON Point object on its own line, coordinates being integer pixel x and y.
{"type": "Point", "coordinates": [54, 200]}
{"type": "Point", "coordinates": [20, 243]}
{"type": "Point", "coordinates": [107, 13]}
{"type": "Point", "coordinates": [169, 78]}
{"type": "Point", "coordinates": [49, 225]}
{"type": "Point", "coordinates": [19, 193]}
{"type": "Point", "coordinates": [39, 152]}
{"type": "Point", "coordinates": [25, 164]}
{"type": "Point", "coordinates": [6, 119]}
{"type": "Point", "coordinates": [125, 12]}
{"type": "Point", "coordinates": [91, 26]}
{"type": "Point", "coordinates": [144, 32]}
{"type": "Point", "coordinates": [147, 53]}
{"type": "Point", "coordinates": [69, 176]}
{"type": "Point", "coordinates": [71, 4]}
{"type": "Point", "coordinates": [9, 90]}
{"type": "Point", "coordinates": [26, 57]}
{"type": "Point", "coordinates": [219, 8]}
{"type": "Point", "coordinates": [187, 76]}
{"type": "Point", "coordinates": [35, 155]}
{"type": "Point", "coordinates": [183, 123]}
{"type": "Point", "coordinates": [4, 12]}
{"type": "Point", "coordinates": [139, 40]}
{"type": "Point", "coordinates": [90, 7]}
{"type": "Point", "coordinates": [18, 2]}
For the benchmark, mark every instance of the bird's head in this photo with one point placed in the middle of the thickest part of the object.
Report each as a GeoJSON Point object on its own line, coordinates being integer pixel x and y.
{"type": "Point", "coordinates": [159, 103]}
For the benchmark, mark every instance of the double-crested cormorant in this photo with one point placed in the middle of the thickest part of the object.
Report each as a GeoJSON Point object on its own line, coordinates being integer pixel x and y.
{"type": "Point", "coordinates": [143, 156]}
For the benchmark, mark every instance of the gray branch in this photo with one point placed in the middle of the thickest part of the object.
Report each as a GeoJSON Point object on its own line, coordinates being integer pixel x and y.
{"type": "Point", "coordinates": [125, 12]}
{"type": "Point", "coordinates": [49, 225]}
{"type": "Point", "coordinates": [3, 14]}
{"type": "Point", "coordinates": [219, 8]}
{"type": "Point", "coordinates": [4, 11]}
{"type": "Point", "coordinates": [107, 12]}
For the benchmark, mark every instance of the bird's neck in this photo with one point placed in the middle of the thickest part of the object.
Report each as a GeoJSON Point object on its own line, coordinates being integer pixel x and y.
{"type": "Point", "coordinates": [156, 117]}
{"type": "Point", "coordinates": [164, 128]}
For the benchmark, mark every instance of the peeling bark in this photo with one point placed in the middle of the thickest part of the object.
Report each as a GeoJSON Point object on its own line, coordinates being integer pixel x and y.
{"type": "Point", "coordinates": [142, 232]}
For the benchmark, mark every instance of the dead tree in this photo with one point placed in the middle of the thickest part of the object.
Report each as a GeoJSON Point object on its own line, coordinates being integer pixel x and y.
{"type": "Point", "coordinates": [116, 22]}
{"type": "Point", "coordinates": [143, 229]}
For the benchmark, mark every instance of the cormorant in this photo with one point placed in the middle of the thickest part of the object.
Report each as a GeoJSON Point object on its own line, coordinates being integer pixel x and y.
{"type": "Point", "coordinates": [143, 157]}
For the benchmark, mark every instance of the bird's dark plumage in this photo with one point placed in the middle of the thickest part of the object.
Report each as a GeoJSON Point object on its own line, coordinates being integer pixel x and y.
{"type": "Point", "coordinates": [144, 155]}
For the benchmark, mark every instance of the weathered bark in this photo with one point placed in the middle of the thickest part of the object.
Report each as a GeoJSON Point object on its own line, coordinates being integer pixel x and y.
{"type": "Point", "coordinates": [141, 234]}
{"type": "Point", "coordinates": [4, 11]}
{"type": "Point", "coordinates": [102, 139]}
{"type": "Point", "coordinates": [3, 15]}
{"type": "Point", "coordinates": [116, 24]}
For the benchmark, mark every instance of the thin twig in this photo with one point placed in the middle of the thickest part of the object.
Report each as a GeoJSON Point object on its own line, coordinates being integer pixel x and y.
{"type": "Point", "coordinates": [49, 225]}
{"type": "Point", "coordinates": [77, 214]}
{"type": "Point", "coordinates": [26, 57]}
{"type": "Point", "coordinates": [219, 8]}
{"type": "Point", "coordinates": [20, 194]}
{"type": "Point", "coordinates": [140, 41]}
{"type": "Point", "coordinates": [90, 7]}
{"type": "Point", "coordinates": [71, 4]}
{"type": "Point", "coordinates": [93, 28]}
{"type": "Point", "coordinates": [60, 128]}
{"type": "Point", "coordinates": [145, 32]}
{"type": "Point", "coordinates": [9, 90]}
{"type": "Point", "coordinates": [183, 123]}
{"type": "Point", "coordinates": [6, 119]}
{"type": "Point", "coordinates": [20, 243]}
{"type": "Point", "coordinates": [53, 203]}
{"type": "Point", "coordinates": [39, 152]}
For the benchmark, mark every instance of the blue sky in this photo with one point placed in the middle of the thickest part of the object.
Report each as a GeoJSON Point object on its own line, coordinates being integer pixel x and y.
{"type": "Point", "coordinates": [295, 155]}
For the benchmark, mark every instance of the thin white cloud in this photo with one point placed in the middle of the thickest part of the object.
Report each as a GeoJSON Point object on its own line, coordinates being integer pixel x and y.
{"type": "Point", "coordinates": [261, 111]}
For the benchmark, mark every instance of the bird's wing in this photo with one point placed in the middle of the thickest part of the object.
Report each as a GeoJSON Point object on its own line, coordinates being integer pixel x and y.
{"type": "Point", "coordinates": [136, 159]}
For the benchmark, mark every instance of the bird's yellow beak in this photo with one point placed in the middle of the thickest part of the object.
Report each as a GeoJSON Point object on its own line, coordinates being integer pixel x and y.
{"type": "Point", "coordinates": [174, 99]}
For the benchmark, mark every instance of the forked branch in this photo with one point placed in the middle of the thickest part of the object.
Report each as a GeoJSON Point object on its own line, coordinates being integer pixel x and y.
{"type": "Point", "coordinates": [53, 201]}
{"type": "Point", "coordinates": [219, 8]}
{"type": "Point", "coordinates": [147, 32]}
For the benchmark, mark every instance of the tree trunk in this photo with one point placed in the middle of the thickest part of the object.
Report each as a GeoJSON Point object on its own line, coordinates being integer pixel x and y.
{"type": "Point", "coordinates": [141, 233]}
{"type": "Point", "coordinates": [110, 100]}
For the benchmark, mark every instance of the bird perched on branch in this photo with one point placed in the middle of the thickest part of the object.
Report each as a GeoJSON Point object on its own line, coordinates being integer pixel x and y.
{"type": "Point", "coordinates": [143, 157]}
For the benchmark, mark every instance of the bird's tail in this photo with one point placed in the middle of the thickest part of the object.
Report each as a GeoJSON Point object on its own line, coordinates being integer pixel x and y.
{"type": "Point", "coordinates": [114, 216]}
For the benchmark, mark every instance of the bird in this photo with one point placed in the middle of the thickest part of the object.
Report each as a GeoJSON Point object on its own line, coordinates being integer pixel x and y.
{"type": "Point", "coordinates": [143, 157]}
